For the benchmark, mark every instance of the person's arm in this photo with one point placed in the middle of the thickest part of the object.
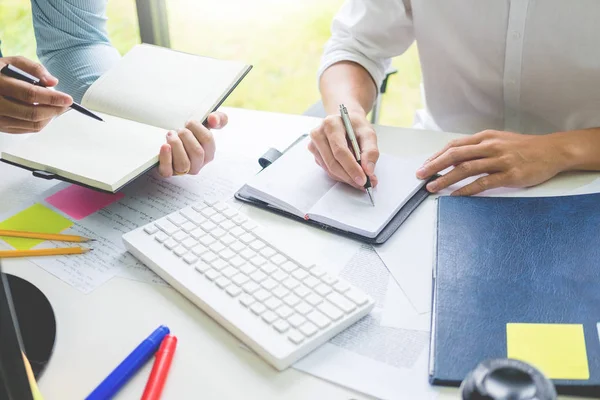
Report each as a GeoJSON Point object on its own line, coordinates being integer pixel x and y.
{"type": "Point", "coordinates": [365, 36]}
{"type": "Point", "coordinates": [512, 160]}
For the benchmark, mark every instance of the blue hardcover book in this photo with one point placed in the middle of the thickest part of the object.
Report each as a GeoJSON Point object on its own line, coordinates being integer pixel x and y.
{"type": "Point", "coordinates": [518, 278]}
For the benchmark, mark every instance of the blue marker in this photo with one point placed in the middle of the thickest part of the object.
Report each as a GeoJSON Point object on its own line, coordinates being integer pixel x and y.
{"type": "Point", "coordinates": [129, 366]}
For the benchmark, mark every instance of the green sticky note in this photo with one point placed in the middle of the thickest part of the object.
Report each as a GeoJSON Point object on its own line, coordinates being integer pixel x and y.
{"type": "Point", "coordinates": [36, 218]}
{"type": "Point", "coordinates": [558, 350]}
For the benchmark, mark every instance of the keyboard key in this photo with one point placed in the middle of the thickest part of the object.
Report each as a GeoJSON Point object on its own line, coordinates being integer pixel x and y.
{"type": "Point", "coordinates": [222, 282]}
{"type": "Point", "coordinates": [258, 308]}
{"type": "Point", "coordinates": [208, 226]}
{"type": "Point", "coordinates": [188, 227]}
{"type": "Point", "coordinates": [269, 284]}
{"type": "Point", "coordinates": [227, 224]}
{"type": "Point", "coordinates": [190, 258]}
{"type": "Point", "coordinates": [257, 245]}
{"type": "Point", "coordinates": [233, 290]}
{"type": "Point", "coordinates": [291, 300]}
{"type": "Point", "coordinates": [218, 218]}
{"type": "Point", "coordinates": [180, 235]}
{"type": "Point", "coordinates": [319, 319]}
{"type": "Point", "coordinates": [237, 246]}
{"type": "Point", "coordinates": [300, 274]}
{"type": "Point", "coordinates": [227, 254]}
{"type": "Point", "coordinates": [218, 232]}
{"type": "Point", "coordinates": [314, 299]}
{"type": "Point", "coordinates": [199, 207]}
{"type": "Point", "coordinates": [180, 250]}
{"type": "Point", "coordinates": [189, 243]}
{"type": "Point", "coordinates": [211, 274]}
{"type": "Point", "coordinates": [317, 271]}
{"type": "Point", "coordinates": [308, 329]}
{"type": "Point", "coordinates": [151, 229]}
{"type": "Point", "coordinates": [237, 232]}
{"type": "Point", "coordinates": [281, 326]}
{"type": "Point", "coordinates": [280, 292]}
{"type": "Point", "coordinates": [161, 237]}
{"type": "Point", "coordinates": [269, 317]}
{"type": "Point", "coordinates": [170, 243]}
{"type": "Point", "coordinates": [227, 240]}
{"type": "Point", "coordinates": [311, 281]}
{"type": "Point", "coordinates": [247, 269]}
{"type": "Point", "coordinates": [330, 310]}
{"type": "Point", "coordinates": [197, 218]}
{"type": "Point", "coordinates": [258, 276]}
{"type": "Point", "coordinates": [284, 311]}
{"type": "Point", "coordinates": [279, 275]}
{"type": "Point", "coordinates": [219, 264]}
{"type": "Point", "coordinates": [323, 289]}
{"type": "Point", "coordinates": [248, 253]}
{"type": "Point", "coordinates": [268, 268]}
{"type": "Point", "coordinates": [230, 213]}
{"type": "Point", "coordinates": [257, 261]}
{"type": "Point", "coordinates": [261, 295]}
{"type": "Point", "coordinates": [209, 257]}
{"type": "Point", "coordinates": [177, 219]}
{"type": "Point", "coordinates": [356, 296]}
{"type": "Point", "coordinates": [295, 337]}
{"type": "Point", "coordinates": [207, 240]}
{"type": "Point", "coordinates": [220, 206]}
{"type": "Point", "coordinates": [202, 267]}
{"type": "Point", "coordinates": [290, 283]}
{"type": "Point", "coordinates": [216, 247]}
{"type": "Point", "coordinates": [208, 212]}
{"type": "Point", "coordinates": [303, 308]}
{"type": "Point", "coordinates": [237, 261]}
{"type": "Point", "coordinates": [199, 249]}
{"type": "Point", "coordinates": [246, 300]}
{"type": "Point", "coordinates": [211, 201]}
{"type": "Point", "coordinates": [341, 287]}
{"type": "Point", "coordinates": [229, 272]}
{"type": "Point", "coordinates": [296, 320]}
{"type": "Point", "coordinates": [267, 252]}
{"type": "Point", "coordinates": [239, 219]}
{"type": "Point", "coordinates": [328, 279]}
{"type": "Point", "coordinates": [167, 227]}
{"type": "Point", "coordinates": [247, 238]}
{"type": "Point", "coordinates": [273, 303]}
{"type": "Point", "coordinates": [288, 266]}
{"type": "Point", "coordinates": [188, 212]}
{"type": "Point", "coordinates": [197, 233]}
{"type": "Point", "coordinates": [240, 279]}
{"type": "Point", "coordinates": [302, 291]}
{"type": "Point", "coordinates": [250, 287]}
{"type": "Point", "coordinates": [249, 225]}
{"type": "Point", "coordinates": [278, 259]}
{"type": "Point", "coordinates": [341, 302]}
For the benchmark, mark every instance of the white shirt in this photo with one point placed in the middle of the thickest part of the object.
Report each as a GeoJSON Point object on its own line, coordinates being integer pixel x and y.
{"type": "Point", "coordinates": [529, 66]}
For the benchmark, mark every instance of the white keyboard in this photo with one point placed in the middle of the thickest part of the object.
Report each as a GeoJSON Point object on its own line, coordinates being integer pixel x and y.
{"type": "Point", "coordinates": [224, 263]}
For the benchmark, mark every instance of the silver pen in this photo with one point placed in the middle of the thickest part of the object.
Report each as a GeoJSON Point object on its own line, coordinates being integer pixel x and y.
{"type": "Point", "coordinates": [354, 142]}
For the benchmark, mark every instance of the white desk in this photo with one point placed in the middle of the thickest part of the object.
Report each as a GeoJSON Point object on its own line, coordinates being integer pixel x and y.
{"type": "Point", "coordinates": [96, 330]}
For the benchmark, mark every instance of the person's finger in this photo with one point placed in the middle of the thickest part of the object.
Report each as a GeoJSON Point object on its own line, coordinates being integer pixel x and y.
{"type": "Point", "coordinates": [217, 120]}
{"type": "Point", "coordinates": [29, 126]}
{"type": "Point", "coordinates": [463, 141]}
{"type": "Point", "coordinates": [330, 163]}
{"type": "Point", "coordinates": [31, 94]}
{"type": "Point", "coordinates": [194, 150]}
{"type": "Point", "coordinates": [34, 68]}
{"type": "Point", "coordinates": [369, 152]}
{"type": "Point", "coordinates": [344, 156]}
{"type": "Point", "coordinates": [27, 112]}
{"type": "Point", "coordinates": [452, 156]}
{"type": "Point", "coordinates": [165, 159]}
{"type": "Point", "coordinates": [205, 138]}
{"type": "Point", "coordinates": [482, 184]}
{"type": "Point", "coordinates": [374, 181]}
{"type": "Point", "coordinates": [181, 162]}
{"type": "Point", "coordinates": [16, 131]}
{"type": "Point", "coordinates": [463, 171]}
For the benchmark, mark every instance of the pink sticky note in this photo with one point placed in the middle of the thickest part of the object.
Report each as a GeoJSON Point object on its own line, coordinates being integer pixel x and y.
{"type": "Point", "coordinates": [79, 202]}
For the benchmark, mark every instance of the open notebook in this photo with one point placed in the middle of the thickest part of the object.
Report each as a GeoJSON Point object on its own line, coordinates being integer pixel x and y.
{"type": "Point", "coordinates": [296, 185]}
{"type": "Point", "coordinates": [150, 91]}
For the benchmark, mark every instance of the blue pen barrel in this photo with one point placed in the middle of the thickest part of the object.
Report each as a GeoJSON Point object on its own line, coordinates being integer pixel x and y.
{"type": "Point", "coordinates": [129, 366]}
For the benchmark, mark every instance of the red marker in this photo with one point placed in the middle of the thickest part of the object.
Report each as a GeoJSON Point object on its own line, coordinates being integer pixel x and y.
{"type": "Point", "coordinates": [160, 369]}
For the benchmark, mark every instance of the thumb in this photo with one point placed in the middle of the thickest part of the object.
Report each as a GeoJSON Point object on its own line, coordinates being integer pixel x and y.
{"type": "Point", "coordinates": [217, 120]}
{"type": "Point", "coordinates": [369, 152]}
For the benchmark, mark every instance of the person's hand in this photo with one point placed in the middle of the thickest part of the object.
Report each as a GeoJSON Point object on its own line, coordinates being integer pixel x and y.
{"type": "Point", "coordinates": [25, 107]}
{"type": "Point", "coordinates": [331, 149]}
{"type": "Point", "coordinates": [508, 160]}
{"type": "Point", "coordinates": [191, 148]}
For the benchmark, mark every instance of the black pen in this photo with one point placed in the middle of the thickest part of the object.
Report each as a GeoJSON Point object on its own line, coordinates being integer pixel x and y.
{"type": "Point", "coordinates": [14, 72]}
{"type": "Point", "coordinates": [354, 142]}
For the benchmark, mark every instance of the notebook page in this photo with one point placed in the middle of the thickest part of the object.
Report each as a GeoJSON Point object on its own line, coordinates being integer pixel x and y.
{"type": "Point", "coordinates": [348, 208]}
{"type": "Point", "coordinates": [101, 154]}
{"type": "Point", "coordinates": [294, 182]}
{"type": "Point", "coordinates": [138, 88]}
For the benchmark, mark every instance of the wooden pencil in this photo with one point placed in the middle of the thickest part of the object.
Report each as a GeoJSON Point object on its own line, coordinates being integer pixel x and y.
{"type": "Point", "coordinates": [43, 252]}
{"type": "Point", "coordinates": [45, 236]}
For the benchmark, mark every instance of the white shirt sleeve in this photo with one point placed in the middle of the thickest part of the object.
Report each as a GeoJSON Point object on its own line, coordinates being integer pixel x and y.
{"type": "Point", "coordinates": [369, 33]}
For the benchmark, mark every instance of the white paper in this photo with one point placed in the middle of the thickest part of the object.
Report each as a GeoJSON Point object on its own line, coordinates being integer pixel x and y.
{"type": "Point", "coordinates": [399, 313]}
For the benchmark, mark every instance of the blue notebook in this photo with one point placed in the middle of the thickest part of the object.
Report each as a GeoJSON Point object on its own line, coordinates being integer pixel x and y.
{"type": "Point", "coordinates": [518, 278]}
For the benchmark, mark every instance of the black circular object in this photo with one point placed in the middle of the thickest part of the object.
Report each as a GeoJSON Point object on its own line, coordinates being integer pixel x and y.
{"type": "Point", "coordinates": [37, 323]}
{"type": "Point", "coordinates": [506, 379]}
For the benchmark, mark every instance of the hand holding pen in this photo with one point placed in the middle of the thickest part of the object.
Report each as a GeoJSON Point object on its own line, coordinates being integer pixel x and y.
{"type": "Point", "coordinates": [333, 150]}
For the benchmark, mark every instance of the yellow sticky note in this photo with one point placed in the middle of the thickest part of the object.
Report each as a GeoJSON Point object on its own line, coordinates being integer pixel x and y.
{"type": "Point", "coordinates": [558, 350]}
{"type": "Point", "coordinates": [36, 218]}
